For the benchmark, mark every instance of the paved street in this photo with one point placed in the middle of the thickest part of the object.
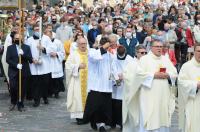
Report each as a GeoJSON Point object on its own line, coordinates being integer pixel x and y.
{"type": "Point", "coordinates": [46, 118]}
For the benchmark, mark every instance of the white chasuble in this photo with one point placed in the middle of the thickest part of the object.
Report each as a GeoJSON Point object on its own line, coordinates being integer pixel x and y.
{"type": "Point", "coordinates": [189, 98]}
{"type": "Point", "coordinates": [156, 99]}
{"type": "Point", "coordinates": [77, 83]}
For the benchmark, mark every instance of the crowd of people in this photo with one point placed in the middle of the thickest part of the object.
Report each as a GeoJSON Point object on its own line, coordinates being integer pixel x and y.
{"type": "Point", "coordinates": [121, 65]}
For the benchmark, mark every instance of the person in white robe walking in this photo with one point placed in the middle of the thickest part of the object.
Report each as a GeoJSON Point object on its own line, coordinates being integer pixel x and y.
{"type": "Point", "coordinates": [188, 93]}
{"type": "Point", "coordinates": [129, 124]}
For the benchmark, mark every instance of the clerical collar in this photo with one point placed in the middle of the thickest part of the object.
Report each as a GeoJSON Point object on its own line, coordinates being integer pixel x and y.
{"type": "Point", "coordinates": [35, 37]}
{"type": "Point", "coordinates": [195, 62]}
{"type": "Point", "coordinates": [121, 57]}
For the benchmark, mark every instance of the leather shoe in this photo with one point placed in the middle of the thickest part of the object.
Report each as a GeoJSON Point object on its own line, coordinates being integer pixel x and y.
{"type": "Point", "coordinates": [36, 104]}
{"type": "Point", "coordinates": [57, 95]}
{"type": "Point", "coordinates": [20, 109]}
{"type": "Point", "coordinates": [102, 129]}
{"type": "Point", "coordinates": [46, 101]}
{"type": "Point", "coordinates": [93, 125]}
{"type": "Point", "coordinates": [12, 107]}
{"type": "Point", "coordinates": [80, 121]}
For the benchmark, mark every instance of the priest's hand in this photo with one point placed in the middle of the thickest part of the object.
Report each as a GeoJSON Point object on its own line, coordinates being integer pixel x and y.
{"type": "Point", "coordinates": [40, 47]}
{"type": "Point", "coordinates": [82, 66]}
{"type": "Point", "coordinates": [161, 75]}
{"type": "Point", "coordinates": [35, 61]}
{"type": "Point", "coordinates": [120, 76]}
{"type": "Point", "coordinates": [106, 45]}
{"type": "Point", "coordinates": [53, 54]}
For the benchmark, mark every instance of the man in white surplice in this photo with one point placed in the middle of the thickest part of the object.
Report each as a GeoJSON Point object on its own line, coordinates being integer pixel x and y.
{"type": "Point", "coordinates": [118, 64]}
{"type": "Point", "coordinates": [35, 87]}
{"type": "Point", "coordinates": [151, 85]}
{"type": "Point", "coordinates": [189, 96]}
{"type": "Point", "coordinates": [98, 109]}
{"type": "Point", "coordinates": [128, 105]}
{"type": "Point", "coordinates": [44, 69]}
{"type": "Point", "coordinates": [57, 55]}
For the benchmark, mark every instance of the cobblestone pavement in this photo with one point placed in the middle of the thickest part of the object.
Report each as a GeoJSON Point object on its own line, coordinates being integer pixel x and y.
{"type": "Point", "coordinates": [46, 118]}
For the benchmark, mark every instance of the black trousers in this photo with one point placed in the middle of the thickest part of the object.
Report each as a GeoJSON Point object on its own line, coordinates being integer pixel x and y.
{"type": "Point", "coordinates": [14, 90]}
{"type": "Point", "coordinates": [116, 112]}
{"type": "Point", "coordinates": [57, 85]}
{"type": "Point", "coordinates": [1, 66]}
{"type": "Point", "coordinates": [44, 85]}
{"type": "Point", "coordinates": [40, 86]}
{"type": "Point", "coordinates": [181, 52]}
{"type": "Point", "coordinates": [98, 108]}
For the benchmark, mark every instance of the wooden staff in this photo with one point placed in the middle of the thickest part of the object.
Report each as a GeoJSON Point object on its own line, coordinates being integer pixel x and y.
{"type": "Point", "coordinates": [21, 26]}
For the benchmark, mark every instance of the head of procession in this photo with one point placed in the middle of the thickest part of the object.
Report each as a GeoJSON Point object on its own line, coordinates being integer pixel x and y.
{"type": "Point", "coordinates": [17, 38]}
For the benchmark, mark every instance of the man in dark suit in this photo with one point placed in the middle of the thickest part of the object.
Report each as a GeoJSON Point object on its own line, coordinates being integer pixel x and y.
{"type": "Point", "coordinates": [92, 34]}
{"type": "Point", "coordinates": [129, 41]}
{"type": "Point", "coordinates": [12, 58]}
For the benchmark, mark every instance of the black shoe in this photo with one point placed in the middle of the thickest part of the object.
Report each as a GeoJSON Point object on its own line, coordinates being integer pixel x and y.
{"type": "Point", "coordinates": [12, 107]}
{"type": "Point", "coordinates": [121, 127]}
{"type": "Point", "coordinates": [36, 104]}
{"type": "Point", "coordinates": [57, 95]}
{"type": "Point", "coordinates": [20, 109]}
{"type": "Point", "coordinates": [22, 105]}
{"type": "Point", "coordinates": [81, 121]}
{"type": "Point", "coordinates": [102, 129]}
{"type": "Point", "coordinates": [113, 126]}
{"type": "Point", "coordinates": [93, 125]}
{"type": "Point", "coordinates": [46, 101]}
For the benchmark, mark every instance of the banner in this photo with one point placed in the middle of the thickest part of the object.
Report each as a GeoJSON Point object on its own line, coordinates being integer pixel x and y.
{"type": "Point", "coordinates": [12, 4]}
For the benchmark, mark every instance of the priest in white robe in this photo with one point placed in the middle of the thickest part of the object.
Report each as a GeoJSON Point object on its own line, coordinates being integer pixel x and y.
{"type": "Point", "coordinates": [57, 55]}
{"type": "Point", "coordinates": [131, 104]}
{"type": "Point", "coordinates": [155, 94]}
{"type": "Point", "coordinates": [118, 65]}
{"type": "Point", "coordinates": [188, 94]}
{"type": "Point", "coordinates": [76, 68]}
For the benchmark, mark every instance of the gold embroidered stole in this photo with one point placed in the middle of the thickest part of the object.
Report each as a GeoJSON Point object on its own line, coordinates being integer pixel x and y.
{"type": "Point", "coordinates": [83, 73]}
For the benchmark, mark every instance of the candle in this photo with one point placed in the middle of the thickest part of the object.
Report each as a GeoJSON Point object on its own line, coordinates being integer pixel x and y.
{"type": "Point", "coordinates": [40, 24]}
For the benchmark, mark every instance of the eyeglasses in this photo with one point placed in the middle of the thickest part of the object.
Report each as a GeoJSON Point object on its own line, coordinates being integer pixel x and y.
{"type": "Point", "coordinates": [158, 46]}
{"type": "Point", "coordinates": [143, 53]}
{"type": "Point", "coordinates": [82, 43]}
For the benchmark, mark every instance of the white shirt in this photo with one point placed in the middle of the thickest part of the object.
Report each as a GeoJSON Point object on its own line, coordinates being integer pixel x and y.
{"type": "Point", "coordinates": [45, 67]}
{"type": "Point", "coordinates": [99, 71]}
{"type": "Point", "coordinates": [33, 43]}
{"type": "Point", "coordinates": [118, 68]}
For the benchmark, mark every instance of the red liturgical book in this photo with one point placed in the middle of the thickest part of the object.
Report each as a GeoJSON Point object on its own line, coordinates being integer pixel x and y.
{"type": "Point", "coordinates": [163, 70]}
